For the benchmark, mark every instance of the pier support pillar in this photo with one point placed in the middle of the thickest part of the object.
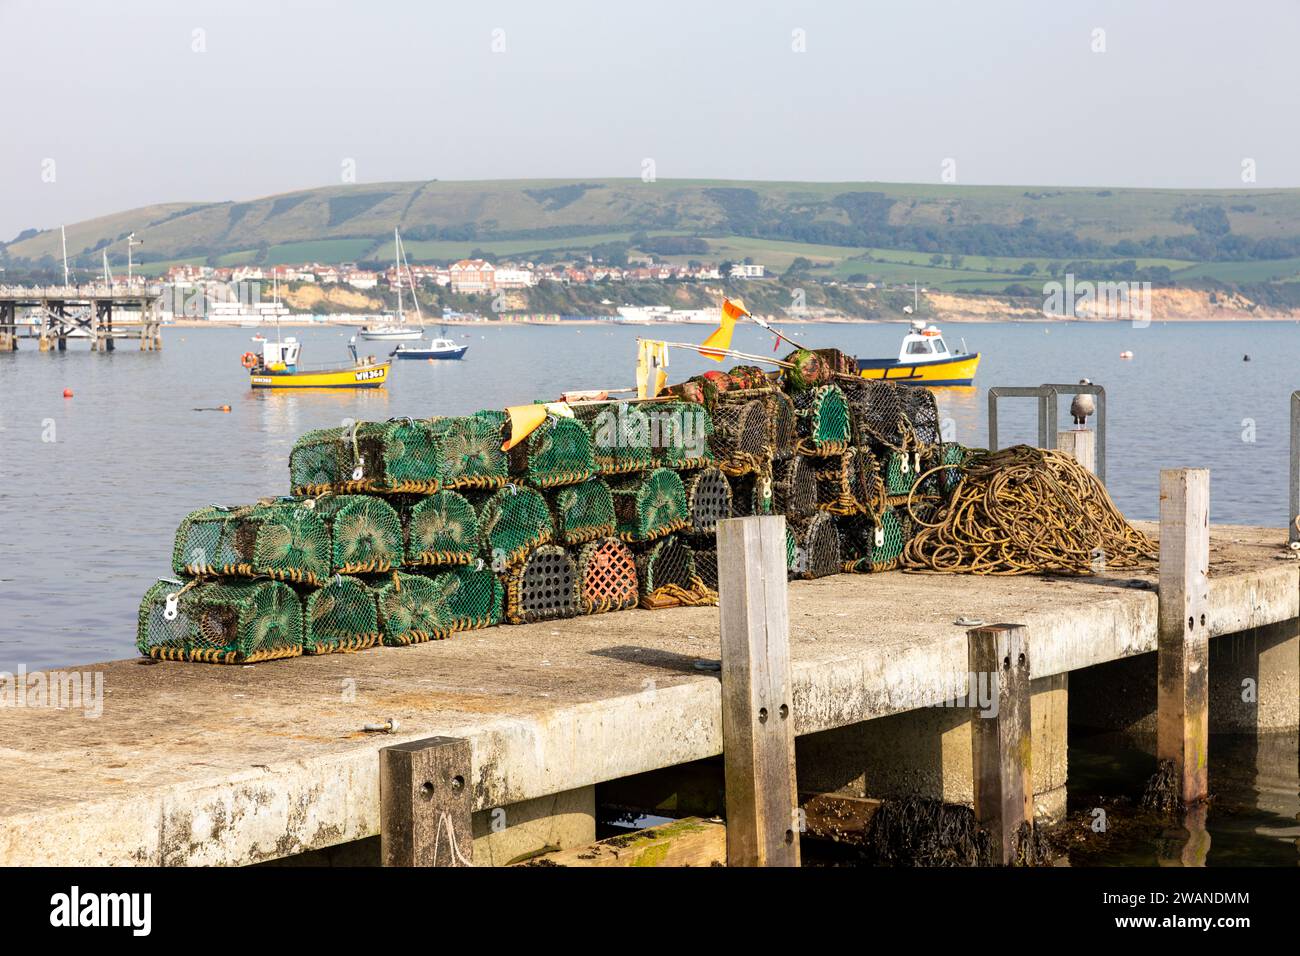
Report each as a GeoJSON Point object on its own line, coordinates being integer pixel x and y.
{"type": "Point", "coordinates": [1183, 650]}
{"type": "Point", "coordinates": [1081, 445]}
{"type": "Point", "coordinates": [758, 740]}
{"type": "Point", "coordinates": [426, 803]}
{"type": "Point", "coordinates": [1001, 749]}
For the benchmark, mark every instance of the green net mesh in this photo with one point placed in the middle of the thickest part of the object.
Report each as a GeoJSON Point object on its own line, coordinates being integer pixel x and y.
{"type": "Point", "coordinates": [794, 488]}
{"type": "Point", "coordinates": [791, 549]}
{"type": "Point", "coordinates": [583, 511]}
{"type": "Point", "coordinates": [874, 542]}
{"type": "Point", "coordinates": [223, 622]}
{"type": "Point", "coordinates": [753, 495]}
{"type": "Point", "coordinates": [468, 598]}
{"type": "Point", "coordinates": [408, 608]}
{"type": "Point", "coordinates": [900, 470]}
{"type": "Point", "coordinates": [817, 547]}
{"type": "Point", "coordinates": [365, 533]}
{"type": "Point", "coordinates": [785, 428]}
{"type": "Point", "coordinates": [620, 436]}
{"type": "Point", "coordinates": [743, 432]}
{"type": "Point", "coordinates": [320, 462]}
{"type": "Point", "coordinates": [679, 434]}
{"type": "Point", "coordinates": [281, 539]}
{"type": "Point", "coordinates": [808, 370]}
{"type": "Point", "coordinates": [649, 506]}
{"type": "Point", "coordinates": [706, 567]}
{"type": "Point", "coordinates": [822, 418]}
{"type": "Point", "coordinates": [512, 521]}
{"type": "Point", "coordinates": [469, 450]}
{"type": "Point", "coordinates": [668, 563]}
{"type": "Point", "coordinates": [340, 616]}
{"type": "Point", "coordinates": [607, 579]}
{"type": "Point", "coordinates": [543, 586]}
{"type": "Point", "coordinates": [557, 452]}
{"type": "Point", "coordinates": [441, 529]}
{"type": "Point", "coordinates": [708, 500]}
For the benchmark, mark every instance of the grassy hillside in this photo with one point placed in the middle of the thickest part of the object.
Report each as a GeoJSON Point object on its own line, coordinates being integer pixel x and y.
{"type": "Point", "coordinates": [999, 234]}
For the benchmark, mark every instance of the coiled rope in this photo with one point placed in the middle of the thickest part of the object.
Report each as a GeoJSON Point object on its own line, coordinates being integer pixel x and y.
{"type": "Point", "coordinates": [1024, 510]}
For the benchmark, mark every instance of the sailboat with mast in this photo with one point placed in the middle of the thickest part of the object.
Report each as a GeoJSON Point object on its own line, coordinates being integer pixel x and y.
{"type": "Point", "coordinates": [394, 328]}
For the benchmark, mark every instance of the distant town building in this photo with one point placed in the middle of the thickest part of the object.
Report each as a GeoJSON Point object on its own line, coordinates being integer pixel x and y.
{"type": "Point", "coordinates": [745, 270]}
{"type": "Point", "coordinates": [361, 279]}
{"type": "Point", "coordinates": [507, 278]}
{"type": "Point", "coordinates": [472, 275]}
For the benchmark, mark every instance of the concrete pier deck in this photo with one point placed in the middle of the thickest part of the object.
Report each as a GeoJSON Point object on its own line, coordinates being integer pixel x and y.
{"type": "Point", "coordinates": [207, 764]}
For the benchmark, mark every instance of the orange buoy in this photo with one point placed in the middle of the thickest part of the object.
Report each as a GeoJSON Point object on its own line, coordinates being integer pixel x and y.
{"type": "Point", "coordinates": [67, 393]}
{"type": "Point", "coordinates": [225, 408]}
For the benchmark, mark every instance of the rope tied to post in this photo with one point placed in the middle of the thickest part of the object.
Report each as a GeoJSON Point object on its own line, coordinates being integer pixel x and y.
{"type": "Point", "coordinates": [1024, 510]}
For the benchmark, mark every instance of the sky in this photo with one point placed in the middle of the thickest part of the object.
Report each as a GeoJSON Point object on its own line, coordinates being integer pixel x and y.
{"type": "Point", "coordinates": [113, 105]}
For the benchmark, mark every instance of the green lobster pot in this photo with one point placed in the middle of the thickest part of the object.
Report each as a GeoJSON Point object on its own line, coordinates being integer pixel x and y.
{"type": "Point", "coordinates": [440, 529]}
{"type": "Point", "coordinates": [679, 435]}
{"type": "Point", "coordinates": [667, 575]}
{"type": "Point", "coordinates": [607, 579]}
{"type": "Point", "coordinates": [365, 532]}
{"type": "Point", "coordinates": [282, 540]}
{"type": "Point", "coordinates": [557, 452]}
{"type": "Point", "coordinates": [753, 495]}
{"type": "Point", "coordinates": [225, 622]}
{"type": "Point", "coordinates": [469, 450]}
{"type": "Point", "coordinates": [584, 511]}
{"type": "Point", "coordinates": [542, 587]}
{"type": "Point", "coordinates": [743, 435]}
{"type": "Point", "coordinates": [620, 436]}
{"type": "Point", "coordinates": [649, 506]}
{"type": "Point", "coordinates": [708, 500]}
{"type": "Point", "coordinates": [900, 471]}
{"type": "Point", "coordinates": [874, 542]}
{"type": "Point", "coordinates": [513, 521]}
{"type": "Point", "coordinates": [817, 547]}
{"type": "Point", "coordinates": [340, 616]}
{"type": "Point", "coordinates": [394, 456]}
{"type": "Point", "coordinates": [468, 598]}
{"type": "Point", "coordinates": [822, 418]}
{"type": "Point", "coordinates": [408, 607]}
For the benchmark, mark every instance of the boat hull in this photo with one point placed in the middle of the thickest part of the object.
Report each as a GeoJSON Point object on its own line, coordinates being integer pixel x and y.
{"type": "Point", "coordinates": [359, 376]}
{"type": "Point", "coordinates": [442, 355]}
{"type": "Point", "coordinates": [391, 335]}
{"type": "Point", "coordinates": [958, 370]}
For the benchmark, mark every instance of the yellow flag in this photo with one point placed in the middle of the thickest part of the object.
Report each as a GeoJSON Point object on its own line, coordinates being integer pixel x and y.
{"type": "Point", "coordinates": [720, 338]}
{"type": "Point", "coordinates": [524, 420]}
{"type": "Point", "coordinates": [652, 358]}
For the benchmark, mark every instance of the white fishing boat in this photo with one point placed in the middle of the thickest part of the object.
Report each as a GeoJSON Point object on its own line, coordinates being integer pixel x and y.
{"type": "Point", "coordinates": [442, 348]}
{"type": "Point", "coordinates": [394, 327]}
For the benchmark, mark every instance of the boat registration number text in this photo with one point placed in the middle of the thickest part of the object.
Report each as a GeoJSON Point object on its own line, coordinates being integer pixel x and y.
{"type": "Point", "coordinates": [368, 374]}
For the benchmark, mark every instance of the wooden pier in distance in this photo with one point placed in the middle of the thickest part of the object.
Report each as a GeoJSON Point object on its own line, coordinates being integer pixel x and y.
{"type": "Point", "coordinates": [99, 312]}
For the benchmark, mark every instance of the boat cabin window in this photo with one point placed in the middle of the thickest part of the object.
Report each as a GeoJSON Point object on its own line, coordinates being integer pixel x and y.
{"type": "Point", "coordinates": [939, 347]}
{"type": "Point", "coordinates": [919, 347]}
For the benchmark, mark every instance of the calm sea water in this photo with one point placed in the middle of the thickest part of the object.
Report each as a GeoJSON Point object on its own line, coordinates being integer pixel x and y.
{"type": "Point", "coordinates": [92, 488]}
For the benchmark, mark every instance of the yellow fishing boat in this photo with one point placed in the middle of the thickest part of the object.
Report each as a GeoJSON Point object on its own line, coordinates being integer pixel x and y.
{"type": "Point", "coordinates": [277, 367]}
{"type": "Point", "coordinates": [924, 359]}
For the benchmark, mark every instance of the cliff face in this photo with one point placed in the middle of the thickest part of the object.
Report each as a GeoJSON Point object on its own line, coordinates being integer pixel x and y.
{"type": "Point", "coordinates": [308, 297]}
{"type": "Point", "coordinates": [1162, 305]}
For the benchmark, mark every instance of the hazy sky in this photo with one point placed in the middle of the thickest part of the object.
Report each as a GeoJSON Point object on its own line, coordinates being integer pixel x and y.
{"type": "Point", "coordinates": [135, 107]}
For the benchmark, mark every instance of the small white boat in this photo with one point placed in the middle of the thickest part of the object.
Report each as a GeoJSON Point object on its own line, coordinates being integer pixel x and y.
{"type": "Point", "coordinates": [437, 349]}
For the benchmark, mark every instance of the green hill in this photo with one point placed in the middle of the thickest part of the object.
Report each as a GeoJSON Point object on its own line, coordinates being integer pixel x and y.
{"type": "Point", "coordinates": [987, 236]}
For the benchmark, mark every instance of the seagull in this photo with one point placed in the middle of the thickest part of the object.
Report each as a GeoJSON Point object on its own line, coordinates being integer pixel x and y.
{"type": "Point", "coordinates": [1082, 406]}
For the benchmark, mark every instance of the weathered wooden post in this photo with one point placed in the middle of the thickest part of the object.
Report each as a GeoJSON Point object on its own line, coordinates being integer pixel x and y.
{"type": "Point", "coordinates": [426, 803]}
{"type": "Point", "coordinates": [757, 719]}
{"type": "Point", "coordinates": [1001, 748]}
{"type": "Point", "coordinates": [1183, 678]}
{"type": "Point", "coordinates": [1081, 445]}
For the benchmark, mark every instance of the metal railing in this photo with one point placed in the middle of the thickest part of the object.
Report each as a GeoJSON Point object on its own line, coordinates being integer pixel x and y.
{"type": "Point", "coordinates": [1048, 413]}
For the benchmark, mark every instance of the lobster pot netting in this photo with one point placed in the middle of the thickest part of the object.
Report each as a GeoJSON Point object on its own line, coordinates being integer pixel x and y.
{"type": "Point", "coordinates": [281, 540]}
{"type": "Point", "coordinates": [339, 616]}
{"type": "Point", "coordinates": [440, 529]}
{"type": "Point", "coordinates": [794, 488]}
{"type": "Point", "coordinates": [408, 609]}
{"type": "Point", "coordinates": [365, 533]}
{"type": "Point", "coordinates": [874, 542]}
{"type": "Point", "coordinates": [706, 567]}
{"type": "Point", "coordinates": [649, 506]}
{"type": "Point", "coordinates": [868, 485]}
{"type": "Point", "coordinates": [620, 437]}
{"type": "Point", "coordinates": [823, 421]}
{"type": "Point", "coordinates": [467, 598]}
{"type": "Point", "coordinates": [817, 547]}
{"type": "Point", "coordinates": [785, 427]}
{"type": "Point", "coordinates": [513, 521]}
{"type": "Point", "coordinates": [557, 452]}
{"type": "Point", "coordinates": [752, 495]}
{"type": "Point", "coordinates": [836, 485]}
{"type": "Point", "coordinates": [542, 587]}
{"type": "Point", "coordinates": [708, 500]}
{"type": "Point", "coordinates": [899, 471]}
{"type": "Point", "coordinates": [791, 549]}
{"type": "Point", "coordinates": [226, 622]}
{"type": "Point", "coordinates": [607, 579]}
{"type": "Point", "coordinates": [806, 370]}
{"type": "Point", "coordinates": [398, 455]}
{"type": "Point", "coordinates": [742, 439]}
{"type": "Point", "coordinates": [679, 434]}
{"type": "Point", "coordinates": [584, 511]}
{"type": "Point", "coordinates": [469, 450]}
{"type": "Point", "coordinates": [667, 576]}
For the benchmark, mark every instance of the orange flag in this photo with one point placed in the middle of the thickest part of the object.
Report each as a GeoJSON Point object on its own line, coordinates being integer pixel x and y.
{"type": "Point", "coordinates": [524, 420]}
{"type": "Point", "coordinates": [720, 338]}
